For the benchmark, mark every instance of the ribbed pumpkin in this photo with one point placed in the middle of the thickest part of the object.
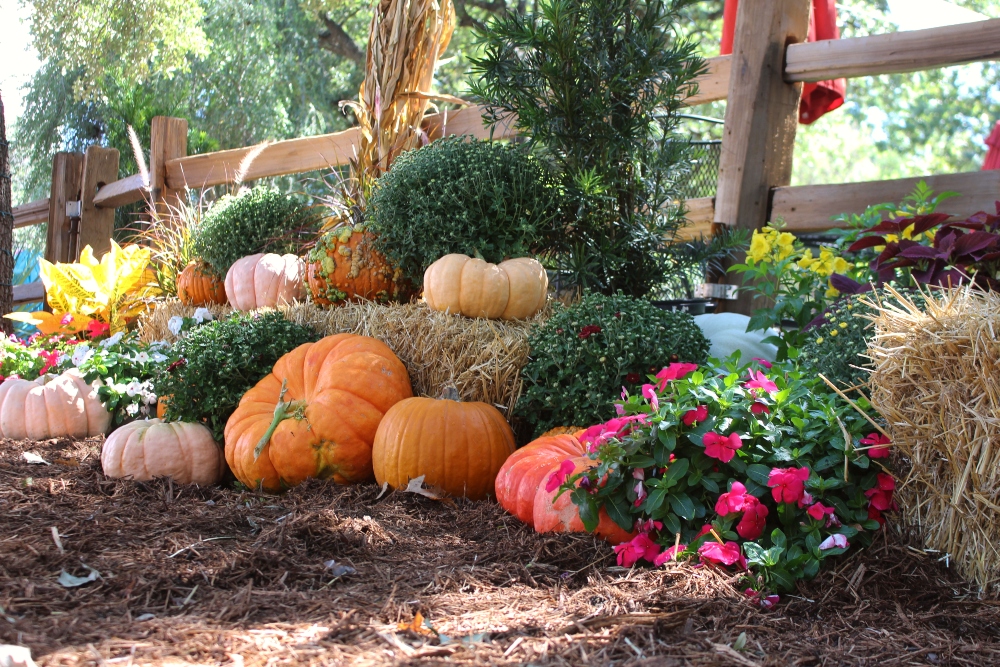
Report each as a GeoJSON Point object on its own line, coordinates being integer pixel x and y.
{"type": "Point", "coordinates": [529, 468]}
{"type": "Point", "coordinates": [316, 414]}
{"type": "Point", "coordinates": [150, 448]}
{"type": "Point", "coordinates": [457, 447]}
{"type": "Point", "coordinates": [265, 280]}
{"type": "Point", "coordinates": [344, 266]}
{"type": "Point", "coordinates": [51, 407]}
{"type": "Point", "coordinates": [512, 290]}
{"type": "Point", "coordinates": [561, 515]}
{"type": "Point", "coordinates": [197, 285]}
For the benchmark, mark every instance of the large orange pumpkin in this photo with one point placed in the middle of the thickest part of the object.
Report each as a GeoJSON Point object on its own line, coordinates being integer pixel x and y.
{"type": "Point", "coordinates": [316, 414]}
{"type": "Point", "coordinates": [197, 285]}
{"type": "Point", "coordinates": [344, 266]}
{"type": "Point", "coordinates": [561, 515]}
{"type": "Point", "coordinates": [457, 447]}
{"type": "Point", "coordinates": [563, 430]}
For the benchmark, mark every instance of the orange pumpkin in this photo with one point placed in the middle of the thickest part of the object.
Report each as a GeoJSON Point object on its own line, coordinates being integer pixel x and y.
{"type": "Point", "coordinates": [561, 515]}
{"type": "Point", "coordinates": [316, 414]}
{"type": "Point", "coordinates": [561, 430]}
{"type": "Point", "coordinates": [197, 285]}
{"type": "Point", "coordinates": [344, 266]}
{"type": "Point", "coordinates": [457, 447]}
{"type": "Point", "coordinates": [161, 406]}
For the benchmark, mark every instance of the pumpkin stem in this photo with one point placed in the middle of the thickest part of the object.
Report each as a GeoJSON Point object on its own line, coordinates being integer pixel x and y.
{"type": "Point", "coordinates": [450, 393]}
{"type": "Point", "coordinates": [282, 411]}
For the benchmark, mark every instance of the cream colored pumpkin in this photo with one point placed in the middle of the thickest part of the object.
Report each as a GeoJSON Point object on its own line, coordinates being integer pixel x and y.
{"type": "Point", "coordinates": [265, 280]}
{"type": "Point", "coordinates": [151, 448]}
{"type": "Point", "coordinates": [512, 290]}
{"type": "Point", "coordinates": [61, 406]}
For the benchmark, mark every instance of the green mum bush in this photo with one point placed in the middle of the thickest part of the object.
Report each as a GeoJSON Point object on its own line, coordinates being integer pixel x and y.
{"type": "Point", "coordinates": [478, 198]}
{"type": "Point", "coordinates": [585, 353]}
{"type": "Point", "coordinates": [257, 220]}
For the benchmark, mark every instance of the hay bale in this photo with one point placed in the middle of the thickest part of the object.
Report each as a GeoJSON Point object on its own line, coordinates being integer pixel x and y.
{"type": "Point", "coordinates": [482, 358]}
{"type": "Point", "coordinates": [937, 383]}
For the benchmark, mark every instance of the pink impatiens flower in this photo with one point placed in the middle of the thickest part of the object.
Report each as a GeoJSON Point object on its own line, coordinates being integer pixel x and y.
{"type": "Point", "coordinates": [641, 546]}
{"type": "Point", "coordinates": [97, 329]}
{"type": "Point", "coordinates": [879, 445]}
{"type": "Point", "coordinates": [788, 484]}
{"type": "Point", "coordinates": [49, 359]}
{"type": "Point", "coordinates": [721, 447]}
{"type": "Point", "coordinates": [674, 372]}
{"type": "Point", "coordinates": [763, 362]}
{"type": "Point", "coordinates": [557, 478]}
{"type": "Point", "coordinates": [597, 435]}
{"type": "Point", "coordinates": [721, 554]}
{"type": "Point", "coordinates": [733, 500]}
{"type": "Point", "coordinates": [649, 392]}
{"type": "Point", "coordinates": [880, 496]}
{"type": "Point", "coordinates": [835, 541]}
{"type": "Point", "coordinates": [759, 381]}
{"type": "Point", "coordinates": [754, 519]}
{"type": "Point", "coordinates": [759, 408]}
{"type": "Point", "coordinates": [699, 414]}
{"type": "Point", "coordinates": [669, 554]}
{"type": "Point", "coordinates": [819, 511]}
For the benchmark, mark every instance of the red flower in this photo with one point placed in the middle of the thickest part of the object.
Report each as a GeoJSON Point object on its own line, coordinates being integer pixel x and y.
{"type": "Point", "coordinates": [557, 478]}
{"type": "Point", "coordinates": [759, 408]}
{"type": "Point", "coordinates": [597, 435]}
{"type": "Point", "coordinates": [721, 554]}
{"type": "Point", "coordinates": [669, 555]}
{"type": "Point", "coordinates": [787, 484]}
{"type": "Point", "coordinates": [879, 445]}
{"type": "Point", "coordinates": [50, 359]}
{"type": "Point", "coordinates": [759, 381]}
{"type": "Point", "coordinates": [733, 500]}
{"type": "Point", "coordinates": [588, 331]}
{"type": "Point", "coordinates": [699, 414]}
{"type": "Point", "coordinates": [875, 514]}
{"type": "Point", "coordinates": [633, 378]}
{"type": "Point", "coordinates": [754, 518]}
{"type": "Point", "coordinates": [674, 372]}
{"type": "Point", "coordinates": [818, 511]}
{"type": "Point", "coordinates": [180, 363]}
{"type": "Point", "coordinates": [97, 329]}
{"type": "Point", "coordinates": [66, 319]}
{"type": "Point", "coordinates": [705, 530]}
{"type": "Point", "coordinates": [640, 547]}
{"type": "Point", "coordinates": [722, 447]}
{"type": "Point", "coordinates": [880, 496]}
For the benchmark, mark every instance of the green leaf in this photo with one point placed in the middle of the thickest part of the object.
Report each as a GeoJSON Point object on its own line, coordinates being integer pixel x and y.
{"type": "Point", "coordinates": [676, 471]}
{"type": "Point", "coordinates": [759, 473]}
{"type": "Point", "coordinates": [617, 507]}
{"type": "Point", "coordinates": [781, 580]}
{"type": "Point", "coordinates": [755, 553]}
{"type": "Point", "coordinates": [682, 505]}
{"type": "Point", "coordinates": [778, 538]}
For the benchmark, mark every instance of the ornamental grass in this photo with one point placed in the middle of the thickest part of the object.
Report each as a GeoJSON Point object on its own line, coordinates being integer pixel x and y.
{"type": "Point", "coordinates": [937, 383]}
{"type": "Point", "coordinates": [481, 358]}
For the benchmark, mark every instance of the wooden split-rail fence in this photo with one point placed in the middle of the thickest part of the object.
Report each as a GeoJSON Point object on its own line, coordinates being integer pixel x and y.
{"type": "Point", "coordinates": [761, 81]}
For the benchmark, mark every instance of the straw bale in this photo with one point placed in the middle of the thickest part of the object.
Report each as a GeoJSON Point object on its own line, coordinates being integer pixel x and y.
{"type": "Point", "coordinates": [937, 383]}
{"type": "Point", "coordinates": [482, 358]}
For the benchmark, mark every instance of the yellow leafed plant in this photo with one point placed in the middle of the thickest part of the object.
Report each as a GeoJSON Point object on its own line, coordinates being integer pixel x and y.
{"type": "Point", "coordinates": [113, 290]}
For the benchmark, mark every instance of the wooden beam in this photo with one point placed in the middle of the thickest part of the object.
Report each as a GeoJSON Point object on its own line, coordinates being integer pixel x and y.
{"type": "Point", "coordinates": [29, 292]}
{"type": "Point", "coordinates": [809, 208]}
{"type": "Point", "coordinates": [67, 169]}
{"type": "Point", "coordinates": [33, 213]}
{"type": "Point", "coordinates": [700, 215]}
{"type": "Point", "coordinates": [714, 84]}
{"type": "Point", "coordinates": [168, 141]}
{"type": "Point", "coordinates": [761, 115]}
{"type": "Point", "coordinates": [100, 167]}
{"type": "Point", "coordinates": [894, 52]}
{"type": "Point", "coordinates": [121, 193]}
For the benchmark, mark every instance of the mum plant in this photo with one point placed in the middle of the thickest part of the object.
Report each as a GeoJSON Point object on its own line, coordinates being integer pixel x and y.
{"type": "Point", "coordinates": [755, 466]}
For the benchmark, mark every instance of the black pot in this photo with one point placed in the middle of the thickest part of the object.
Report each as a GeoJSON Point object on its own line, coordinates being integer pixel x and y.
{"type": "Point", "coordinates": [689, 306]}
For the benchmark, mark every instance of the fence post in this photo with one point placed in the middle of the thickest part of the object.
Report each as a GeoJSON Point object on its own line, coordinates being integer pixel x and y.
{"type": "Point", "coordinates": [762, 113]}
{"type": "Point", "coordinates": [168, 140]}
{"type": "Point", "coordinates": [67, 169]}
{"type": "Point", "coordinates": [100, 167]}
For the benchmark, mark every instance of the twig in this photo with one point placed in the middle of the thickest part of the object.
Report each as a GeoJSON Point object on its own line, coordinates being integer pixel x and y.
{"type": "Point", "coordinates": [209, 539]}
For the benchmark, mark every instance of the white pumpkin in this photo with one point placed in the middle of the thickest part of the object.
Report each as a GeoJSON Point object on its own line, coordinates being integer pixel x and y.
{"type": "Point", "coordinates": [727, 332]}
{"type": "Point", "coordinates": [58, 406]}
{"type": "Point", "coordinates": [265, 280]}
{"type": "Point", "coordinates": [148, 448]}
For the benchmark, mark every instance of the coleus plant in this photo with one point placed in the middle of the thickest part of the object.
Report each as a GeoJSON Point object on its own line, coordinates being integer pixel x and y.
{"type": "Point", "coordinates": [756, 466]}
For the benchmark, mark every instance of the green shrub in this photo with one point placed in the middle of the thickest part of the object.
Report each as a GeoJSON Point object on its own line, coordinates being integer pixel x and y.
{"type": "Point", "coordinates": [585, 353]}
{"type": "Point", "coordinates": [477, 198]}
{"type": "Point", "coordinates": [257, 220]}
{"type": "Point", "coordinates": [215, 364]}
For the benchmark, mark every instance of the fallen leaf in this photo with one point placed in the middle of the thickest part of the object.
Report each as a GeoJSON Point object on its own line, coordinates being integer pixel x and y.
{"type": "Point", "coordinates": [72, 463]}
{"type": "Point", "coordinates": [339, 570]}
{"type": "Point", "coordinates": [33, 458]}
{"type": "Point", "coordinates": [385, 487]}
{"type": "Point", "coordinates": [12, 655]}
{"type": "Point", "coordinates": [417, 625]}
{"type": "Point", "coordinates": [416, 485]}
{"type": "Point", "coordinates": [67, 580]}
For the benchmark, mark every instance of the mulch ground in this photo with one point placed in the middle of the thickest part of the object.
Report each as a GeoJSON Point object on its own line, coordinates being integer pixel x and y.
{"type": "Point", "coordinates": [337, 575]}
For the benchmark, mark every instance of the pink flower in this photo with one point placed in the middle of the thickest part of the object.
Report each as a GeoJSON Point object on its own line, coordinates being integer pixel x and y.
{"type": "Point", "coordinates": [619, 409]}
{"type": "Point", "coordinates": [806, 499]}
{"type": "Point", "coordinates": [66, 319]}
{"type": "Point", "coordinates": [97, 329]}
{"type": "Point", "coordinates": [649, 391]}
{"type": "Point", "coordinates": [557, 478]}
{"type": "Point", "coordinates": [819, 511]}
{"type": "Point", "coordinates": [50, 359]}
{"type": "Point", "coordinates": [705, 530]}
{"type": "Point", "coordinates": [754, 519]}
{"type": "Point", "coordinates": [640, 492]}
{"type": "Point", "coordinates": [765, 601]}
{"type": "Point", "coordinates": [699, 414]}
{"type": "Point", "coordinates": [763, 362]}
{"type": "Point", "coordinates": [669, 555]}
{"type": "Point", "coordinates": [759, 408]}
{"type": "Point", "coordinates": [674, 372]}
{"type": "Point", "coordinates": [733, 500]}
{"type": "Point", "coordinates": [787, 484]}
{"type": "Point", "coordinates": [835, 541]}
{"type": "Point", "coordinates": [648, 525]}
{"type": "Point", "coordinates": [640, 547]}
{"type": "Point", "coordinates": [721, 554]}
{"type": "Point", "coordinates": [597, 435]}
{"type": "Point", "coordinates": [722, 447]}
{"type": "Point", "coordinates": [759, 381]}
{"type": "Point", "coordinates": [880, 496]}
{"type": "Point", "coordinates": [879, 445]}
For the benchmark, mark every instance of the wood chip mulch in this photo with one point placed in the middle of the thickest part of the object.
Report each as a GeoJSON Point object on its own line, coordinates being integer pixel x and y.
{"type": "Point", "coordinates": [337, 576]}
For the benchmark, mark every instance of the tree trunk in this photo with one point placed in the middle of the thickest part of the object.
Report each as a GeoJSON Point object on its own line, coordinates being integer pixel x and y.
{"type": "Point", "coordinates": [6, 231]}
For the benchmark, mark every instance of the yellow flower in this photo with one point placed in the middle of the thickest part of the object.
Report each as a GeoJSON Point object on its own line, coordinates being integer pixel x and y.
{"type": "Point", "coordinates": [819, 341]}
{"type": "Point", "coordinates": [832, 292]}
{"type": "Point", "coordinates": [807, 260]}
{"type": "Point", "coordinates": [843, 325]}
{"type": "Point", "coordinates": [786, 245]}
{"type": "Point", "coordinates": [760, 247]}
{"type": "Point", "coordinates": [840, 265]}
{"type": "Point", "coordinates": [834, 332]}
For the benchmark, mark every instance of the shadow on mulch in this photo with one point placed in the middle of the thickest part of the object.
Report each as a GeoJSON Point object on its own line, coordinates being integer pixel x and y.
{"type": "Point", "coordinates": [336, 575]}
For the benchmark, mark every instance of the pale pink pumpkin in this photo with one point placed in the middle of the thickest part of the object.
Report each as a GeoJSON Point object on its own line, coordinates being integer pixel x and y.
{"type": "Point", "coordinates": [51, 407]}
{"type": "Point", "coordinates": [265, 280]}
{"type": "Point", "coordinates": [148, 448]}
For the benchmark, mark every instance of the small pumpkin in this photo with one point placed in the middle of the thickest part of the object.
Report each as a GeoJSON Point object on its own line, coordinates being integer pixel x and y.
{"type": "Point", "coordinates": [344, 266]}
{"type": "Point", "coordinates": [561, 515]}
{"type": "Point", "coordinates": [197, 285]}
{"type": "Point", "coordinates": [149, 448]}
{"type": "Point", "coordinates": [316, 414]}
{"type": "Point", "coordinates": [529, 468]}
{"type": "Point", "coordinates": [511, 290]}
{"type": "Point", "coordinates": [161, 406]}
{"type": "Point", "coordinates": [457, 447]}
{"type": "Point", "coordinates": [265, 280]}
{"type": "Point", "coordinates": [58, 406]}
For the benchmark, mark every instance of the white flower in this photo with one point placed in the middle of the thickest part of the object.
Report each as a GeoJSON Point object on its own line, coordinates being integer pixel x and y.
{"type": "Point", "coordinates": [141, 358]}
{"type": "Point", "coordinates": [159, 358]}
{"type": "Point", "coordinates": [835, 541]}
{"type": "Point", "coordinates": [175, 324]}
{"type": "Point", "coordinates": [132, 409]}
{"type": "Point", "coordinates": [62, 358]}
{"type": "Point", "coordinates": [134, 387]}
{"type": "Point", "coordinates": [117, 387]}
{"type": "Point", "coordinates": [149, 398]}
{"type": "Point", "coordinates": [113, 340]}
{"type": "Point", "coordinates": [158, 345]}
{"type": "Point", "coordinates": [82, 353]}
{"type": "Point", "coordinates": [203, 315]}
